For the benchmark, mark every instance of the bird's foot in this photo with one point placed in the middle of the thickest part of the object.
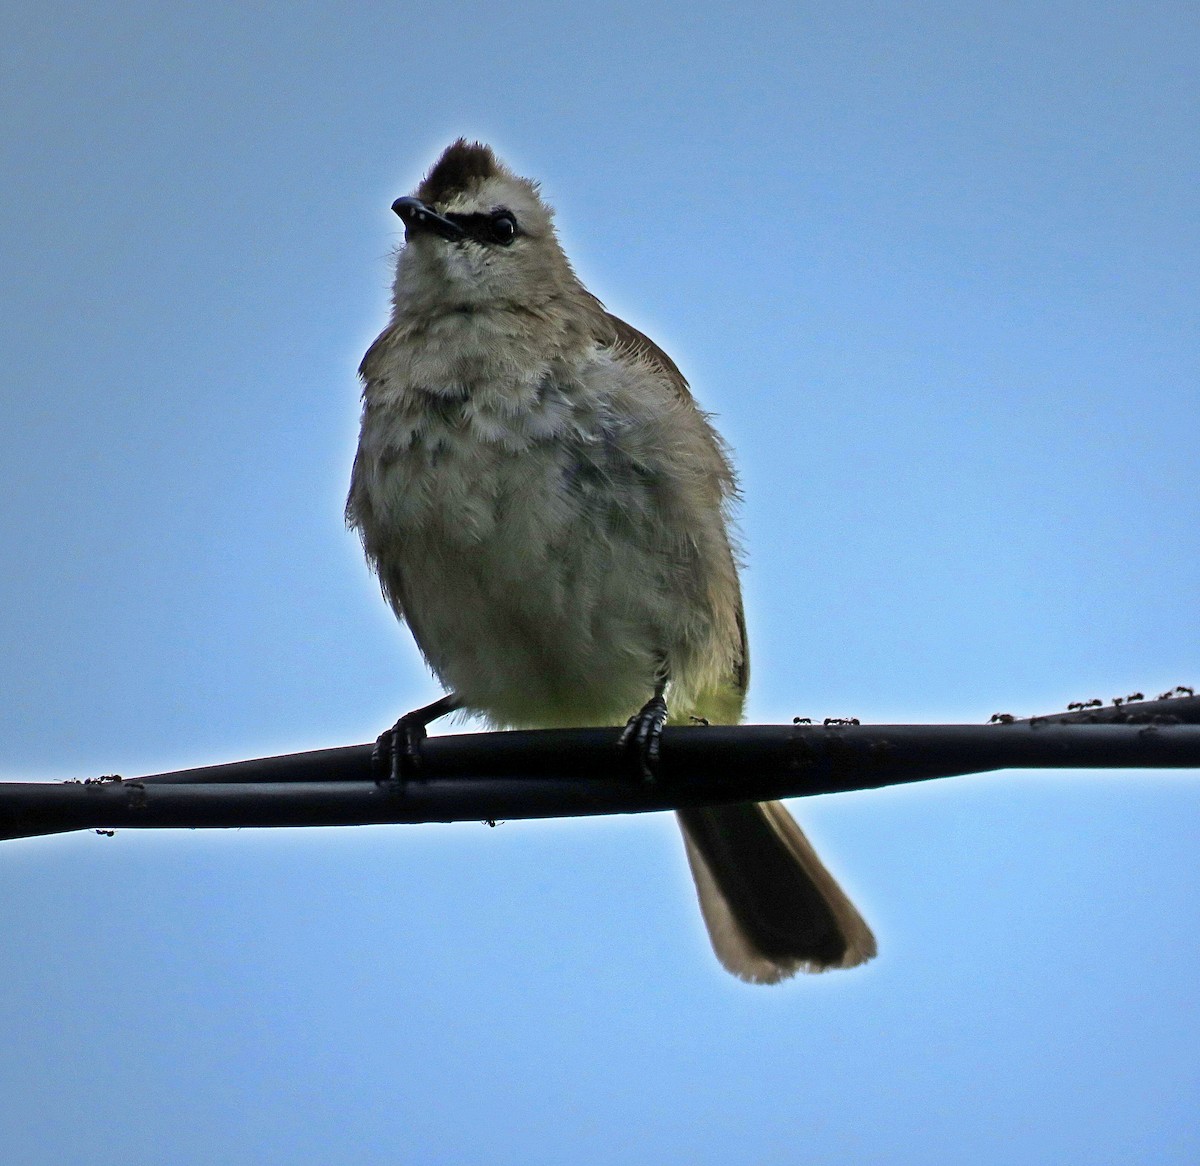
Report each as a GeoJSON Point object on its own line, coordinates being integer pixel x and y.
{"type": "Point", "coordinates": [641, 739]}
{"type": "Point", "coordinates": [396, 757]}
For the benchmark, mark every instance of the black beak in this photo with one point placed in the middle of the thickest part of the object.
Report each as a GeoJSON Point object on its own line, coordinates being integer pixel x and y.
{"type": "Point", "coordinates": [417, 217]}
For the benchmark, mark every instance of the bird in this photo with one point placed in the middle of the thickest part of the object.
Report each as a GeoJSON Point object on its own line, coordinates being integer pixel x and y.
{"type": "Point", "coordinates": [550, 512]}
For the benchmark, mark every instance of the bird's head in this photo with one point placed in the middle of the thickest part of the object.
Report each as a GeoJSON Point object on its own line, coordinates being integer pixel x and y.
{"type": "Point", "coordinates": [476, 236]}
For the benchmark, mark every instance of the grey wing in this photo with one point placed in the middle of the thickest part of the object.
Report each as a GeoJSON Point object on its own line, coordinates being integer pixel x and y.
{"type": "Point", "coordinates": [360, 513]}
{"type": "Point", "coordinates": [742, 677]}
{"type": "Point", "coordinates": [611, 331]}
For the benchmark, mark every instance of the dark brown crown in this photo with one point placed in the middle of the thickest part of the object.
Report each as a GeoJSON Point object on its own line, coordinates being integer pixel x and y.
{"type": "Point", "coordinates": [461, 166]}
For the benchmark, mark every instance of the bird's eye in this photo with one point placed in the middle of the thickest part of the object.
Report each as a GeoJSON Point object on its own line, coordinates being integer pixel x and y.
{"type": "Point", "coordinates": [504, 228]}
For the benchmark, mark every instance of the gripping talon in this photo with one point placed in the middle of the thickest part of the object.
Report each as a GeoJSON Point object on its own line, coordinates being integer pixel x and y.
{"type": "Point", "coordinates": [396, 758]}
{"type": "Point", "coordinates": [641, 739]}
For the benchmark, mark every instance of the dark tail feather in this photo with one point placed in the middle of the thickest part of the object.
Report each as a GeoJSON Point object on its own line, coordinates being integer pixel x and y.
{"type": "Point", "coordinates": [771, 908]}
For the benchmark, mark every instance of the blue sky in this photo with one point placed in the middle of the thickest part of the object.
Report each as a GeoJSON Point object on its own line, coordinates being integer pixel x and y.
{"type": "Point", "coordinates": [933, 266]}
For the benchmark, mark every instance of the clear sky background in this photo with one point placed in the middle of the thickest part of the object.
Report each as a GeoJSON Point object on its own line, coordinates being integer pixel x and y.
{"type": "Point", "coordinates": [934, 267]}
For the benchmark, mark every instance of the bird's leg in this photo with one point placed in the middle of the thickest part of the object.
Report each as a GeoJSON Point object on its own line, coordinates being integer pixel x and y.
{"type": "Point", "coordinates": [641, 739]}
{"type": "Point", "coordinates": [397, 754]}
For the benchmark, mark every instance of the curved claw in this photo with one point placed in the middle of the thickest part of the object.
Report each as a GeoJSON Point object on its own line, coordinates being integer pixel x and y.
{"type": "Point", "coordinates": [396, 757]}
{"type": "Point", "coordinates": [641, 739]}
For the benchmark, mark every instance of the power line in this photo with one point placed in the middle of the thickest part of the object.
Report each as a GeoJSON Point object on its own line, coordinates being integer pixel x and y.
{"type": "Point", "coordinates": [573, 772]}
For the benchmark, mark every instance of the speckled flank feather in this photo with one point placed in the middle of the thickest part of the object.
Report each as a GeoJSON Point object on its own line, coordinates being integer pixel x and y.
{"type": "Point", "coordinates": [548, 509]}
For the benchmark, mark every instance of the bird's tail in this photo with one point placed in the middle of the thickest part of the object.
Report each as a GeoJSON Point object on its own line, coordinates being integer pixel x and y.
{"type": "Point", "coordinates": [770, 906]}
